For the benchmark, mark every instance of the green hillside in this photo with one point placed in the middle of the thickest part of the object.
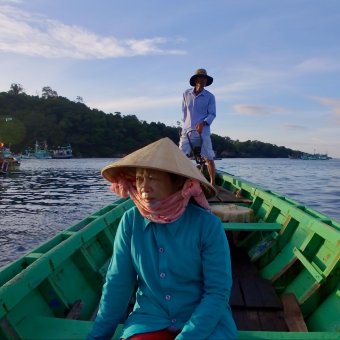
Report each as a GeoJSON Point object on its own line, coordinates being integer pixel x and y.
{"type": "Point", "coordinates": [94, 133]}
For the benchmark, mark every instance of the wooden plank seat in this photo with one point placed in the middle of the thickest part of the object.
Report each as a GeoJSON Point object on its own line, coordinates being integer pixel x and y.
{"type": "Point", "coordinates": [252, 226]}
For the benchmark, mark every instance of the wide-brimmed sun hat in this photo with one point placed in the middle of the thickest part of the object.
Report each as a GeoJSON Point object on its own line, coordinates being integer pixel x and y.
{"type": "Point", "coordinates": [163, 155]}
{"type": "Point", "coordinates": [201, 72]}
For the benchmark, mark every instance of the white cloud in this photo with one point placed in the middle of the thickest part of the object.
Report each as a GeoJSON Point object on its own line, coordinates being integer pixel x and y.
{"type": "Point", "coordinates": [334, 103]}
{"type": "Point", "coordinates": [258, 110]}
{"type": "Point", "coordinates": [36, 35]}
{"type": "Point", "coordinates": [238, 86]}
{"type": "Point", "coordinates": [291, 127]}
{"type": "Point", "coordinates": [318, 65]}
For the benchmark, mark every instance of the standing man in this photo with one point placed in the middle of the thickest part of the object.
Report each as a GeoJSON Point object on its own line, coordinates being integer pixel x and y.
{"type": "Point", "coordinates": [199, 111]}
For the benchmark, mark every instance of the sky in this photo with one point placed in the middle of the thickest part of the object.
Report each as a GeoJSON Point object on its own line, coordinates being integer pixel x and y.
{"type": "Point", "coordinates": [275, 64]}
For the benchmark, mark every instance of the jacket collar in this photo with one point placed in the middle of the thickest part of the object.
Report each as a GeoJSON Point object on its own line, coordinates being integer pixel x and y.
{"type": "Point", "coordinates": [201, 94]}
{"type": "Point", "coordinates": [172, 227]}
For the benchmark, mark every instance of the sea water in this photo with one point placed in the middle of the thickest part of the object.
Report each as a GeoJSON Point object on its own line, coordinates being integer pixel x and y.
{"type": "Point", "coordinates": [50, 195]}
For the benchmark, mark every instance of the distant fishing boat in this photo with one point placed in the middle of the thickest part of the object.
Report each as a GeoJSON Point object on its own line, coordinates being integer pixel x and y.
{"type": "Point", "coordinates": [28, 154]}
{"type": "Point", "coordinates": [63, 152]}
{"type": "Point", "coordinates": [40, 152]}
{"type": "Point", "coordinates": [318, 157]}
{"type": "Point", "coordinates": [315, 157]}
{"type": "Point", "coordinates": [323, 157]}
{"type": "Point", "coordinates": [294, 157]}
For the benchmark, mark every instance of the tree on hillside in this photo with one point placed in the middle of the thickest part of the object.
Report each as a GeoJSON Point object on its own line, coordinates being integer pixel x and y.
{"type": "Point", "coordinates": [16, 89]}
{"type": "Point", "coordinates": [93, 133]}
{"type": "Point", "coordinates": [79, 99]}
{"type": "Point", "coordinates": [47, 92]}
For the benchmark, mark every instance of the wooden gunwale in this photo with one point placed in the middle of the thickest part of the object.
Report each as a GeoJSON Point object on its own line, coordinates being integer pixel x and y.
{"type": "Point", "coordinates": [85, 245]}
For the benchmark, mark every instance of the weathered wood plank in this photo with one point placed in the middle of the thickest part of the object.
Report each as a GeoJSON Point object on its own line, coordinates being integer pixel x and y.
{"type": "Point", "coordinates": [251, 292]}
{"type": "Point", "coordinates": [272, 321]}
{"type": "Point", "coordinates": [227, 196]}
{"type": "Point", "coordinates": [255, 291]}
{"type": "Point", "coordinates": [241, 264]}
{"type": "Point", "coordinates": [292, 314]}
{"type": "Point", "coordinates": [236, 298]}
{"type": "Point", "coordinates": [238, 316]}
{"type": "Point", "coordinates": [268, 294]}
{"type": "Point", "coordinates": [247, 320]}
{"type": "Point", "coordinates": [9, 330]}
{"type": "Point", "coordinates": [258, 293]}
{"type": "Point", "coordinates": [75, 311]}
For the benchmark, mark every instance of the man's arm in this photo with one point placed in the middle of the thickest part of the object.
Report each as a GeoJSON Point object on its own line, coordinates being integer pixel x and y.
{"type": "Point", "coordinates": [184, 108]}
{"type": "Point", "coordinates": [211, 110]}
{"type": "Point", "coordinates": [211, 115]}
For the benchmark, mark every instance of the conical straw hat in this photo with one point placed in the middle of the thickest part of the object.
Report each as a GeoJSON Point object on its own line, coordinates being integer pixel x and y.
{"type": "Point", "coordinates": [162, 155]}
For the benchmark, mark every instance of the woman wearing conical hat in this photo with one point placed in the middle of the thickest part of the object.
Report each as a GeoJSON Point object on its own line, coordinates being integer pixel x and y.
{"type": "Point", "coordinates": [173, 246]}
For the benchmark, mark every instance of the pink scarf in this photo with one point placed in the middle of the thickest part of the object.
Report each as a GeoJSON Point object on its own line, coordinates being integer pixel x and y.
{"type": "Point", "coordinates": [167, 210]}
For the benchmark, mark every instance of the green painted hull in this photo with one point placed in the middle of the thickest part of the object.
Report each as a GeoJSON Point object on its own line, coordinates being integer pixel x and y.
{"type": "Point", "coordinates": [38, 290]}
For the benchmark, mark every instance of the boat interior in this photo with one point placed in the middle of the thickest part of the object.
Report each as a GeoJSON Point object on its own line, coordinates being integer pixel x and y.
{"type": "Point", "coordinates": [254, 302]}
{"type": "Point", "coordinates": [285, 267]}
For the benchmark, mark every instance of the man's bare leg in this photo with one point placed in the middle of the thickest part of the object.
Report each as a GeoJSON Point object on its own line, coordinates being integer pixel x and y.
{"type": "Point", "coordinates": [211, 170]}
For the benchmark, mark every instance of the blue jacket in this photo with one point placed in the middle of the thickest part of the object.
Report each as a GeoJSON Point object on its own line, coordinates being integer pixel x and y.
{"type": "Point", "coordinates": [184, 278]}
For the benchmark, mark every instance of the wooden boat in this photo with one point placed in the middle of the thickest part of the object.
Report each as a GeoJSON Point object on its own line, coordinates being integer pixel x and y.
{"type": "Point", "coordinates": [292, 286]}
{"type": "Point", "coordinates": [3, 166]}
{"type": "Point", "coordinates": [13, 164]}
{"type": "Point", "coordinates": [8, 163]}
